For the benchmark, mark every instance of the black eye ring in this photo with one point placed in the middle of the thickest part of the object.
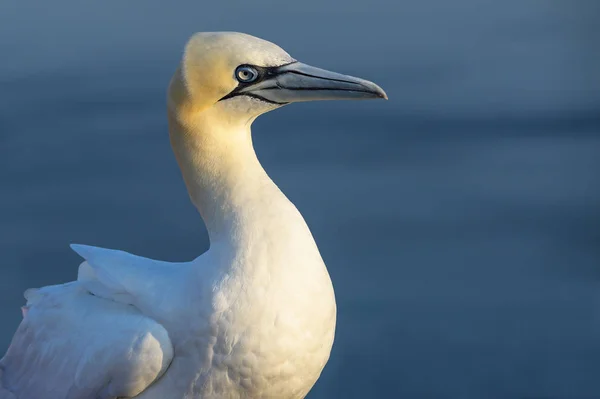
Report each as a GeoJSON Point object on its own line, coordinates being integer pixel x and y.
{"type": "Point", "coordinates": [246, 74]}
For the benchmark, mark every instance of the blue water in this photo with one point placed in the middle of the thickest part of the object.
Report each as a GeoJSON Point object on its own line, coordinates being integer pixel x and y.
{"type": "Point", "coordinates": [459, 220]}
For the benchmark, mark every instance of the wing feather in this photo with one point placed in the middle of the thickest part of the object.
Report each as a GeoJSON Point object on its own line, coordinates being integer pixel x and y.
{"type": "Point", "coordinates": [129, 279]}
{"type": "Point", "coordinates": [74, 345]}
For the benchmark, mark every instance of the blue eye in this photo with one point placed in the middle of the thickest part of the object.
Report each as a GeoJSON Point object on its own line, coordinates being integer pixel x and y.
{"type": "Point", "coordinates": [246, 74]}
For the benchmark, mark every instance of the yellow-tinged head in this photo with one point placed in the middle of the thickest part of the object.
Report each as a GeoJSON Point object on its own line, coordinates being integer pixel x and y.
{"type": "Point", "coordinates": [246, 76]}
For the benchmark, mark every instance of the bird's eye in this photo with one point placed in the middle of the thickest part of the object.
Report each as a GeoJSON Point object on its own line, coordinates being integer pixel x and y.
{"type": "Point", "coordinates": [246, 74]}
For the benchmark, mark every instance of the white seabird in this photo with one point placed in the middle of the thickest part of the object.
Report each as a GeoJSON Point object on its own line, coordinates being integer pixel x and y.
{"type": "Point", "coordinates": [254, 316]}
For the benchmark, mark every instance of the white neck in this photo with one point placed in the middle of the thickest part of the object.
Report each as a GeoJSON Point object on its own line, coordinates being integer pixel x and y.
{"type": "Point", "coordinates": [224, 178]}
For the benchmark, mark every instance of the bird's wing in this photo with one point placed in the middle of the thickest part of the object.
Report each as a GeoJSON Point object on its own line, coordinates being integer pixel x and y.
{"type": "Point", "coordinates": [88, 339]}
{"type": "Point", "coordinates": [128, 279]}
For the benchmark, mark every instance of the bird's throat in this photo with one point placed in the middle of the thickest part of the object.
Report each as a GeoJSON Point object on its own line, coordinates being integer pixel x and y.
{"type": "Point", "coordinates": [224, 178]}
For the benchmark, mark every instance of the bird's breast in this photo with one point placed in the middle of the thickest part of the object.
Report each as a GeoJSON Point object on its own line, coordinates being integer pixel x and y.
{"type": "Point", "coordinates": [274, 319]}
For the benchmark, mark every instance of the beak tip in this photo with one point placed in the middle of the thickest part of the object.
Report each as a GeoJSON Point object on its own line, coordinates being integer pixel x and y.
{"type": "Point", "coordinates": [376, 91]}
{"type": "Point", "coordinates": [381, 94]}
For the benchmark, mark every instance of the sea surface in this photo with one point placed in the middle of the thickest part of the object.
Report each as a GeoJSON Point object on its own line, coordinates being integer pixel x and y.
{"type": "Point", "coordinates": [460, 220]}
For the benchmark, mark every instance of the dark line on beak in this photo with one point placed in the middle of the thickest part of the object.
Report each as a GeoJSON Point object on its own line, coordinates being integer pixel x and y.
{"type": "Point", "coordinates": [282, 66]}
{"type": "Point", "coordinates": [257, 97]}
{"type": "Point", "coordinates": [321, 89]}
{"type": "Point", "coordinates": [321, 77]}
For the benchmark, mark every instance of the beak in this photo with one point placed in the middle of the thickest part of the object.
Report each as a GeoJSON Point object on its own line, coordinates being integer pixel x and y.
{"type": "Point", "coordinates": [300, 82]}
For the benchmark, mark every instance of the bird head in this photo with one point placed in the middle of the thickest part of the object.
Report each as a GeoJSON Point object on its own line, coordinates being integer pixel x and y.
{"type": "Point", "coordinates": [240, 77]}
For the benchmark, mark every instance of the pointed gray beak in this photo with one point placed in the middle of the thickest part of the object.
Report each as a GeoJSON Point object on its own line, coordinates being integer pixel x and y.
{"type": "Point", "coordinates": [300, 82]}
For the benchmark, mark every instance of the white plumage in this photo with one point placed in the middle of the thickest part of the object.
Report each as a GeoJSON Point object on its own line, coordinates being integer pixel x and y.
{"type": "Point", "coordinates": [254, 316]}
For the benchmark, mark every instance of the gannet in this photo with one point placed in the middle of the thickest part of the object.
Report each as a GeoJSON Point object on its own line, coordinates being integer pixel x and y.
{"type": "Point", "coordinates": [254, 316]}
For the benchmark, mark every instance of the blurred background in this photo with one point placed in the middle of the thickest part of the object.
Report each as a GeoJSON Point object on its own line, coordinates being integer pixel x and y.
{"type": "Point", "coordinates": [459, 220]}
